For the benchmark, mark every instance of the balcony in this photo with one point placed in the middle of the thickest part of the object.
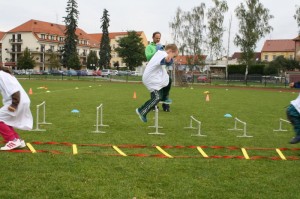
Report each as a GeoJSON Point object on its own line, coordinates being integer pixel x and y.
{"type": "Point", "coordinates": [15, 41]}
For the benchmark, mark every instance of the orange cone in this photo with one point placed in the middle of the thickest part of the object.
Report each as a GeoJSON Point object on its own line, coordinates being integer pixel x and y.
{"type": "Point", "coordinates": [207, 97]}
{"type": "Point", "coordinates": [134, 95]}
{"type": "Point", "coordinates": [30, 91]}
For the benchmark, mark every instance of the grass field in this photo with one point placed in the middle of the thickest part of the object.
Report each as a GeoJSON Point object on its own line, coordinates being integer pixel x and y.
{"type": "Point", "coordinates": [99, 172]}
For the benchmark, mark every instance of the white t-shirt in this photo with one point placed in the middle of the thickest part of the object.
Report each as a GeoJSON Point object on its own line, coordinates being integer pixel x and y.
{"type": "Point", "coordinates": [22, 117]}
{"type": "Point", "coordinates": [155, 76]}
{"type": "Point", "coordinates": [296, 103]}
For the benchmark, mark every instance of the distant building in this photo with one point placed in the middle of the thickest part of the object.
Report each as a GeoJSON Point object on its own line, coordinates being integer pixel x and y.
{"type": "Point", "coordinates": [114, 37]}
{"type": "Point", "coordinates": [297, 48]}
{"type": "Point", "coordinates": [44, 38]}
{"type": "Point", "coordinates": [275, 48]}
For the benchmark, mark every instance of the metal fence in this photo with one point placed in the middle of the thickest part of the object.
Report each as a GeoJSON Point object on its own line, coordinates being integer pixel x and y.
{"type": "Point", "coordinates": [235, 79]}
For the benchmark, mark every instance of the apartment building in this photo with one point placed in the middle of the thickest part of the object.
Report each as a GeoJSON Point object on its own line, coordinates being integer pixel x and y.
{"type": "Point", "coordinates": [45, 38]}
{"type": "Point", "coordinates": [297, 48]}
{"type": "Point", "coordinates": [114, 37]}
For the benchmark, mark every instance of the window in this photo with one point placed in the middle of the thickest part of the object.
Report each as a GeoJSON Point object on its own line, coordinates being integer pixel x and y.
{"type": "Point", "coordinates": [52, 48]}
{"type": "Point", "coordinates": [61, 39]}
{"type": "Point", "coordinates": [291, 57]}
{"type": "Point", "coordinates": [266, 57]}
{"type": "Point", "coordinates": [274, 57]}
{"type": "Point", "coordinates": [51, 37]}
{"type": "Point", "coordinates": [43, 36]}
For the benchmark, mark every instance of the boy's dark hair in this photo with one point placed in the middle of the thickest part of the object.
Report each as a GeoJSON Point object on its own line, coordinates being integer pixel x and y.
{"type": "Point", "coordinates": [153, 35]}
{"type": "Point", "coordinates": [173, 47]}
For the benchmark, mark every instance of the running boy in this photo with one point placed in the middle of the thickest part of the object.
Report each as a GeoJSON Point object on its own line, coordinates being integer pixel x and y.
{"type": "Point", "coordinates": [156, 79]}
{"type": "Point", "coordinates": [293, 114]}
{"type": "Point", "coordinates": [15, 112]}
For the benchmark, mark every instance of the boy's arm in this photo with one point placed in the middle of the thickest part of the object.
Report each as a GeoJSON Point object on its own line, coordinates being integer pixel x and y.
{"type": "Point", "coordinates": [15, 101]}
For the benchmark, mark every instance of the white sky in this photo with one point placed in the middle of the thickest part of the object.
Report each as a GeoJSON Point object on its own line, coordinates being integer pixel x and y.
{"type": "Point", "coordinates": [142, 15]}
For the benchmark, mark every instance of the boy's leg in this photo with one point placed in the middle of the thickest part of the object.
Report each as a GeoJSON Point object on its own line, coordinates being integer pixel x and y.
{"type": "Point", "coordinates": [14, 132]}
{"type": "Point", "coordinates": [294, 117]}
{"type": "Point", "coordinates": [155, 98]}
{"type": "Point", "coordinates": [166, 90]}
{"type": "Point", "coordinates": [7, 133]}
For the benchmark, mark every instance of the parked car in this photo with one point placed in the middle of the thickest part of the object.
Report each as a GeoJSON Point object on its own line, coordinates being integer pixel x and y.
{"type": "Point", "coordinates": [106, 72]}
{"type": "Point", "coordinates": [81, 73]}
{"type": "Point", "coordinates": [114, 72]}
{"type": "Point", "coordinates": [135, 73]}
{"type": "Point", "coordinates": [89, 72]}
{"type": "Point", "coordinates": [56, 72]}
{"type": "Point", "coordinates": [203, 79]}
{"type": "Point", "coordinates": [97, 72]}
{"type": "Point", "coordinates": [70, 73]}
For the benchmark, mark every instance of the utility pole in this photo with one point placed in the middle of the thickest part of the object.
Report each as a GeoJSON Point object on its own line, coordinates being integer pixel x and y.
{"type": "Point", "coordinates": [228, 47]}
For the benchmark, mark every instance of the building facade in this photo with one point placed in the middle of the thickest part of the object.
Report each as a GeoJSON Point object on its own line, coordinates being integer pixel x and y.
{"type": "Point", "coordinates": [44, 39]}
{"type": "Point", "coordinates": [275, 48]}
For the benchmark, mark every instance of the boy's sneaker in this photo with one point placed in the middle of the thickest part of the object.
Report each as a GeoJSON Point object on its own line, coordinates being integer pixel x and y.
{"type": "Point", "coordinates": [23, 144]}
{"type": "Point", "coordinates": [11, 145]}
{"type": "Point", "coordinates": [295, 140]}
{"type": "Point", "coordinates": [167, 101]}
{"type": "Point", "coordinates": [166, 107]}
{"type": "Point", "coordinates": [143, 118]}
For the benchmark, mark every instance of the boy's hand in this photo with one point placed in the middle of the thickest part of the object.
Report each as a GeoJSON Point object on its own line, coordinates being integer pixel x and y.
{"type": "Point", "coordinates": [11, 109]}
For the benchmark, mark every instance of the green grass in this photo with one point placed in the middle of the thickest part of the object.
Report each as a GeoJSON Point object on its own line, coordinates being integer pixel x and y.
{"type": "Point", "coordinates": [95, 172]}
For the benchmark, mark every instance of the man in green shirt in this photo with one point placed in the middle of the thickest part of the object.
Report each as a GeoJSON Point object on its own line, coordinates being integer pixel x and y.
{"type": "Point", "coordinates": [150, 50]}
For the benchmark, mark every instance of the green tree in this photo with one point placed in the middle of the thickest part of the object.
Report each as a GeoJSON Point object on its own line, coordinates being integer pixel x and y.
{"type": "Point", "coordinates": [253, 25]}
{"type": "Point", "coordinates": [26, 61]}
{"type": "Point", "coordinates": [215, 17]}
{"type": "Point", "coordinates": [105, 50]}
{"type": "Point", "coordinates": [92, 60]}
{"type": "Point", "coordinates": [188, 32]}
{"type": "Point", "coordinates": [132, 50]}
{"type": "Point", "coordinates": [297, 17]}
{"type": "Point", "coordinates": [70, 56]}
{"type": "Point", "coordinates": [54, 61]}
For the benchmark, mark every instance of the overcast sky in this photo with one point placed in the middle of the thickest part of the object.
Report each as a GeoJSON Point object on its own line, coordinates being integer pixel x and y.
{"type": "Point", "coordinates": [142, 15]}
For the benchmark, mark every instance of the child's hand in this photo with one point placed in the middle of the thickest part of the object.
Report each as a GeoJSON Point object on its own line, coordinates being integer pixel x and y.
{"type": "Point", "coordinates": [11, 109]}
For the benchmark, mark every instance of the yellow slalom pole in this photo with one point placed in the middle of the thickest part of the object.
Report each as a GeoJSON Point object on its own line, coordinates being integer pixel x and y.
{"type": "Point", "coordinates": [75, 151]}
{"type": "Point", "coordinates": [31, 147]}
{"type": "Point", "coordinates": [164, 152]}
{"type": "Point", "coordinates": [245, 154]}
{"type": "Point", "coordinates": [119, 150]}
{"type": "Point", "coordinates": [280, 154]}
{"type": "Point", "coordinates": [202, 152]}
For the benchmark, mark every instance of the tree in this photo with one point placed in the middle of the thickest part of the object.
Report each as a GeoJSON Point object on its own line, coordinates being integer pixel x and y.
{"type": "Point", "coordinates": [105, 50]}
{"type": "Point", "coordinates": [70, 56]}
{"type": "Point", "coordinates": [132, 50]}
{"type": "Point", "coordinates": [188, 32]}
{"type": "Point", "coordinates": [215, 17]}
{"type": "Point", "coordinates": [53, 61]}
{"type": "Point", "coordinates": [92, 60]}
{"type": "Point", "coordinates": [26, 61]}
{"type": "Point", "coordinates": [297, 17]}
{"type": "Point", "coordinates": [253, 25]}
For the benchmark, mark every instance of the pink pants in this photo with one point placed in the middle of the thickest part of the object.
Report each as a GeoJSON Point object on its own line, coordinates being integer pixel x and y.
{"type": "Point", "coordinates": [7, 132]}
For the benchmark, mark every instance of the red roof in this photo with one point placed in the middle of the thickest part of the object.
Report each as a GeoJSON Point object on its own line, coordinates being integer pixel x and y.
{"type": "Point", "coordinates": [183, 59]}
{"type": "Point", "coordinates": [2, 34]}
{"type": "Point", "coordinates": [282, 45]}
{"type": "Point", "coordinates": [238, 55]}
{"type": "Point", "coordinates": [98, 36]}
{"type": "Point", "coordinates": [36, 27]}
